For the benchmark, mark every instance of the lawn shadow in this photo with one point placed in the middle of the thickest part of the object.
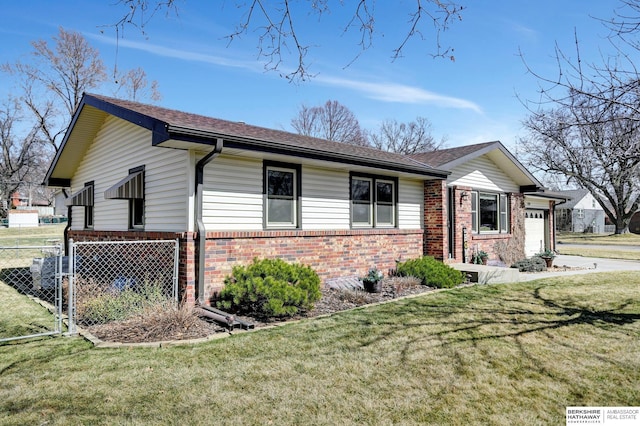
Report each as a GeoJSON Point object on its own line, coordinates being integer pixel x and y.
{"type": "Point", "coordinates": [462, 320]}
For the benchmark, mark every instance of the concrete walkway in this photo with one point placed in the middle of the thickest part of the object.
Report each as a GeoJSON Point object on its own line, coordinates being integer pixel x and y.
{"type": "Point", "coordinates": [563, 266]}
{"type": "Point", "coordinates": [587, 265]}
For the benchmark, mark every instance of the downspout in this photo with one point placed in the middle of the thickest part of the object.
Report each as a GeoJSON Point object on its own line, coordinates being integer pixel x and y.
{"type": "Point", "coordinates": [68, 227]}
{"type": "Point", "coordinates": [201, 231]}
{"type": "Point", "coordinates": [555, 225]}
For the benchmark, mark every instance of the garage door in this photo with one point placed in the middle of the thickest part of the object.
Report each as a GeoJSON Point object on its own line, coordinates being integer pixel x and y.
{"type": "Point", "coordinates": [534, 232]}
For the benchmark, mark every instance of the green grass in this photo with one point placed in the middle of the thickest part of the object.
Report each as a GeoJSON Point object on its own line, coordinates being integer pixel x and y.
{"type": "Point", "coordinates": [21, 316]}
{"type": "Point", "coordinates": [41, 235]}
{"type": "Point", "coordinates": [500, 354]}
{"type": "Point", "coordinates": [629, 239]}
{"type": "Point", "coordinates": [601, 252]}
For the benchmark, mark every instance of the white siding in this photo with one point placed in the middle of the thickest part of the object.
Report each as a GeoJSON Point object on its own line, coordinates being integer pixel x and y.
{"type": "Point", "coordinates": [536, 203]}
{"type": "Point", "coordinates": [232, 196]}
{"type": "Point", "coordinates": [325, 199]}
{"type": "Point", "coordinates": [588, 202]}
{"type": "Point", "coordinates": [118, 147]}
{"type": "Point", "coordinates": [482, 173]}
{"type": "Point", "coordinates": [410, 204]}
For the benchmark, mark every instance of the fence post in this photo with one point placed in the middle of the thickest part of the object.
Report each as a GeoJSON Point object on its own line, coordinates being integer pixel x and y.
{"type": "Point", "coordinates": [71, 302]}
{"type": "Point", "coordinates": [58, 289]}
{"type": "Point", "coordinates": [176, 263]}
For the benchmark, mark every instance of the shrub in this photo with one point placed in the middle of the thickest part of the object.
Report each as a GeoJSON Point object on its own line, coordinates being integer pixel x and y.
{"type": "Point", "coordinates": [270, 288]}
{"type": "Point", "coordinates": [98, 305]}
{"type": "Point", "coordinates": [431, 272]}
{"type": "Point", "coordinates": [533, 264]}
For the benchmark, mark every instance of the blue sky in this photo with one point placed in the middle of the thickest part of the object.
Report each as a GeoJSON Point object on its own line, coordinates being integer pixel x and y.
{"type": "Point", "coordinates": [470, 100]}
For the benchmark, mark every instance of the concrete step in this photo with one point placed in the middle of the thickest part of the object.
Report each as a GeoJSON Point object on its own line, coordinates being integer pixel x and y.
{"type": "Point", "coordinates": [484, 274]}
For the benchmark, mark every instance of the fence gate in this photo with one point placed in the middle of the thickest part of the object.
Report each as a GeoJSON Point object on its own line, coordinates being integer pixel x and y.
{"type": "Point", "coordinates": [97, 283]}
{"type": "Point", "coordinates": [115, 280]}
{"type": "Point", "coordinates": [31, 291]}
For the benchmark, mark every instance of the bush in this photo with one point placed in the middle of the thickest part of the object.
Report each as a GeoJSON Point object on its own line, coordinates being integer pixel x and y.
{"type": "Point", "coordinates": [270, 288]}
{"type": "Point", "coordinates": [533, 264]}
{"type": "Point", "coordinates": [97, 305]}
{"type": "Point", "coordinates": [431, 272]}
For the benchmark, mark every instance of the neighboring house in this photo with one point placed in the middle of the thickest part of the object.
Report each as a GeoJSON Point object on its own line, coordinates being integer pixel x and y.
{"type": "Point", "coordinates": [231, 192]}
{"type": "Point", "coordinates": [581, 213]}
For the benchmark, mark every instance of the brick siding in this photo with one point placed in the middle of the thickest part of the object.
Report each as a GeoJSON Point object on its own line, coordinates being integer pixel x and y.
{"type": "Point", "coordinates": [330, 253]}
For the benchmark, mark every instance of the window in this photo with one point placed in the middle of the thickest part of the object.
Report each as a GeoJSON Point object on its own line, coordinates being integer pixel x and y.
{"type": "Point", "coordinates": [281, 190]}
{"type": "Point", "coordinates": [385, 211]}
{"type": "Point", "coordinates": [131, 188]}
{"type": "Point", "coordinates": [489, 212]}
{"type": "Point", "coordinates": [88, 217]}
{"type": "Point", "coordinates": [580, 213]}
{"type": "Point", "coordinates": [136, 213]}
{"type": "Point", "coordinates": [373, 202]}
{"type": "Point", "coordinates": [362, 202]}
{"type": "Point", "coordinates": [84, 198]}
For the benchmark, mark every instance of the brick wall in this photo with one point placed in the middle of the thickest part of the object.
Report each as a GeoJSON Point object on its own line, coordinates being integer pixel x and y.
{"type": "Point", "coordinates": [330, 253]}
{"type": "Point", "coordinates": [435, 219]}
{"type": "Point", "coordinates": [462, 210]}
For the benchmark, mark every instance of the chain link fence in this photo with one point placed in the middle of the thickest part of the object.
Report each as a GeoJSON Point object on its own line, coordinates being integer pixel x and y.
{"type": "Point", "coordinates": [114, 280]}
{"type": "Point", "coordinates": [31, 294]}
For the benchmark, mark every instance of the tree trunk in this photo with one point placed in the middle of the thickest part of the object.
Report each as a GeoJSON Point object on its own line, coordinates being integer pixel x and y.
{"type": "Point", "coordinates": [622, 226]}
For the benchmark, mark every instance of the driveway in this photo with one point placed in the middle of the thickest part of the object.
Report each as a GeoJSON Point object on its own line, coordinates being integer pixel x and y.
{"type": "Point", "coordinates": [587, 265]}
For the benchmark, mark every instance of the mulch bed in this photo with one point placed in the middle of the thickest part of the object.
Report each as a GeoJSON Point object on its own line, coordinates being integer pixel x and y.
{"type": "Point", "coordinates": [153, 327]}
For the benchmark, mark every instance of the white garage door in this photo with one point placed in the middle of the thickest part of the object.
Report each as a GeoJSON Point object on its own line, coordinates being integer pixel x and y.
{"type": "Point", "coordinates": [533, 232]}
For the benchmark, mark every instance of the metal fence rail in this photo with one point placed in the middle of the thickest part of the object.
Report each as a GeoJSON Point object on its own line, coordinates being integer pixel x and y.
{"type": "Point", "coordinates": [113, 280]}
{"type": "Point", "coordinates": [31, 295]}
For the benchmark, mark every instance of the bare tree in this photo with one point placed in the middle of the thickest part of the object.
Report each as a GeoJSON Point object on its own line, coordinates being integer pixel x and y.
{"type": "Point", "coordinates": [53, 83]}
{"type": "Point", "coordinates": [406, 138]}
{"type": "Point", "coordinates": [23, 159]}
{"type": "Point", "coordinates": [135, 85]}
{"type": "Point", "coordinates": [594, 145]}
{"type": "Point", "coordinates": [331, 121]}
{"type": "Point", "coordinates": [587, 117]}
{"type": "Point", "coordinates": [277, 25]}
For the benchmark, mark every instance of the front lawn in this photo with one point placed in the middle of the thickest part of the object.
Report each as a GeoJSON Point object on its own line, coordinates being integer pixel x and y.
{"type": "Point", "coordinates": [499, 354]}
{"type": "Point", "coordinates": [628, 239]}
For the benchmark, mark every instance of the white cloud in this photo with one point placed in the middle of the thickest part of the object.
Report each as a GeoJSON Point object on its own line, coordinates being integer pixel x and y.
{"type": "Point", "coordinates": [386, 92]}
{"type": "Point", "coordinates": [182, 54]}
{"type": "Point", "coordinates": [393, 92]}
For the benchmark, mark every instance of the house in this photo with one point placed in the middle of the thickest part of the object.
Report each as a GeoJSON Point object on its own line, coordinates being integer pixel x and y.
{"type": "Point", "coordinates": [493, 204]}
{"type": "Point", "coordinates": [581, 213]}
{"type": "Point", "coordinates": [231, 192]}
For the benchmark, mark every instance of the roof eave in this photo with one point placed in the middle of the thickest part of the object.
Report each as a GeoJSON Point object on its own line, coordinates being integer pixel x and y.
{"type": "Point", "coordinates": [233, 141]}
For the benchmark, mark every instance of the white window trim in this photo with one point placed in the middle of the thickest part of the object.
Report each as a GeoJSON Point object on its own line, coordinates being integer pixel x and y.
{"type": "Point", "coordinates": [369, 223]}
{"type": "Point", "coordinates": [282, 225]}
{"type": "Point", "coordinates": [392, 204]}
{"type": "Point", "coordinates": [500, 197]}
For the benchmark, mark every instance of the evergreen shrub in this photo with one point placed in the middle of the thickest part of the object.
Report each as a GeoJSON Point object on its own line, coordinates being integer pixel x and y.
{"type": "Point", "coordinates": [270, 288]}
{"type": "Point", "coordinates": [431, 272]}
